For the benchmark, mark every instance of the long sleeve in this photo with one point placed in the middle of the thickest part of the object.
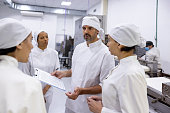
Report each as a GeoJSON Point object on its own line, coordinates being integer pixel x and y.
{"type": "Point", "coordinates": [108, 63]}
{"type": "Point", "coordinates": [23, 96]}
{"type": "Point", "coordinates": [125, 88]}
{"type": "Point", "coordinates": [35, 99]}
{"type": "Point", "coordinates": [132, 94]}
{"type": "Point", "coordinates": [20, 93]}
{"type": "Point", "coordinates": [153, 55]}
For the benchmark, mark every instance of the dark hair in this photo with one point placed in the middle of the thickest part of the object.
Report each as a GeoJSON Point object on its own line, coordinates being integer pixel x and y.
{"type": "Point", "coordinates": [8, 50]}
{"type": "Point", "coordinates": [149, 43]}
{"type": "Point", "coordinates": [127, 49]}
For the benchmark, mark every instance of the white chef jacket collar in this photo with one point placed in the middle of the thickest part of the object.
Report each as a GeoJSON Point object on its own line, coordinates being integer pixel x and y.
{"type": "Point", "coordinates": [11, 60]}
{"type": "Point", "coordinates": [40, 50]}
{"type": "Point", "coordinates": [128, 59]}
{"type": "Point", "coordinates": [95, 44]}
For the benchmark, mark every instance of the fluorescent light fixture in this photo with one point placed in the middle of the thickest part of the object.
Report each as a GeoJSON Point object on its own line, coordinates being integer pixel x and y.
{"type": "Point", "coordinates": [30, 13]}
{"type": "Point", "coordinates": [59, 11]}
{"type": "Point", "coordinates": [25, 7]}
{"type": "Point", "coordinates": [65, 3]}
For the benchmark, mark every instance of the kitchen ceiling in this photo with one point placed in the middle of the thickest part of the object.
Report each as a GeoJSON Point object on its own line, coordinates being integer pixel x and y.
{"type": "Point", "coordinates": [75, 4]}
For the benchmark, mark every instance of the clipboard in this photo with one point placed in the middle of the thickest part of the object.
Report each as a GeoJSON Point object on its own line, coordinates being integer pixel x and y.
{"type": "Point", "coordinates": [47, 78]}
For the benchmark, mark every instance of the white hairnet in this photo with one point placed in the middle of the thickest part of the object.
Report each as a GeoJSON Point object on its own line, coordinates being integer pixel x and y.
{"type": "Point", "coordinates": [127, 35]}
{"type": "Point", "coordinates": [143, 42]}
{"type": "Point", "coordinates": [91, 21]}
{"type": "Point", "coordinates": [37, 33]}
{"type": "Point", "coordinates": [101, 34]}
{"type": "Point", "coordinates": [12, 33]}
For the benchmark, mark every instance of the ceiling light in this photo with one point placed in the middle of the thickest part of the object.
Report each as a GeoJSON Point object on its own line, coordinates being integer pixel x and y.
{"type": "Point", "coordinates": [30, 13]}
{"type": "Point", "coordinates": [65, 3]}
{"type": "Point", "coordinates": [25, 7]}
{"type": "Point", "coordinates": [59, 11]}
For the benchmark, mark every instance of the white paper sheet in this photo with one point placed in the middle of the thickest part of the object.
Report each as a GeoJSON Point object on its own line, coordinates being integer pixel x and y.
{"type": "Point", "coordinates": [47, 78]}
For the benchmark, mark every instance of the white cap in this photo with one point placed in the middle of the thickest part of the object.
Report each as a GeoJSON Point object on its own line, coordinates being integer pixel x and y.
{"type": "Point", "coordinates": [101, 34]}
{"type": "Point", "coordinates": [127, 35]}
{"type": "Point", "coordinates": [91, 21]}
{"type": "Point", "coordinates": [12, 33]}
{"type": "Point", "coordinates": [143, 42]}
{"type": "Point", "coordinates": [37, 33]}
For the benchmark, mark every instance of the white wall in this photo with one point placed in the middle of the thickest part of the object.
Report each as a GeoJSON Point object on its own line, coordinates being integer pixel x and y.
{"type": "Point", "coordinates": [97, 8]}
{"type": "Point", "coordinates": [143, 14]}
{"type": "Point", "coordinates": [46, 23]}
{"type": "Point", "coordinates": [52, 23]}
{"type": "Point", "coordinates": [67, 23]}
{"type": "Point", "coordinates": [164, 33]}
{"type": "Point", "coordinates": [139, 12]}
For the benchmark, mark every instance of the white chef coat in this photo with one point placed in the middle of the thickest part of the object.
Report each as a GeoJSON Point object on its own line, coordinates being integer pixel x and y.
{"type": "Point", "coordinates": [48, 61]}
{"type": "Point", "coordinates": [124, 89]}
{"type": "Point", "coordinates": [90, 65]}
{"type": "Point", "coordinates": [153, 55]}
{"type": "Point", "coordinates": [19, 93]}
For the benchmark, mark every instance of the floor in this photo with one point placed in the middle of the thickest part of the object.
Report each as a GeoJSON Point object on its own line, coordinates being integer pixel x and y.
{"type": "Point", "coordinates": [60, 97]}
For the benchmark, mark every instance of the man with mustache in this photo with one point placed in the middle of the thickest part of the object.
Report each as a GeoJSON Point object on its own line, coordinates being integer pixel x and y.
{"type": "Point", "coordinates": [90, 65]}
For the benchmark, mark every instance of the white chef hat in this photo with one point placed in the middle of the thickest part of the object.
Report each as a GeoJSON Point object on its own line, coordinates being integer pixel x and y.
{"type": "Point", "coordinates": [91, 21]}
{"type": "Point", "coordinates": [101, 34]}
{"type": "Point", "coordinates": [127, 35]}
{"type": "Point", "coordinates": [12, 33]}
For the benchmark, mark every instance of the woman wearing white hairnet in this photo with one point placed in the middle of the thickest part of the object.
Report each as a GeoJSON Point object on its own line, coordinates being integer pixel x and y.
{"type": "Point", "coordinates": [46, 59]}
{"type": "Point", "coordinates": [19, 93]}
{"type": "Point", "coordinates": [124, 90]}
